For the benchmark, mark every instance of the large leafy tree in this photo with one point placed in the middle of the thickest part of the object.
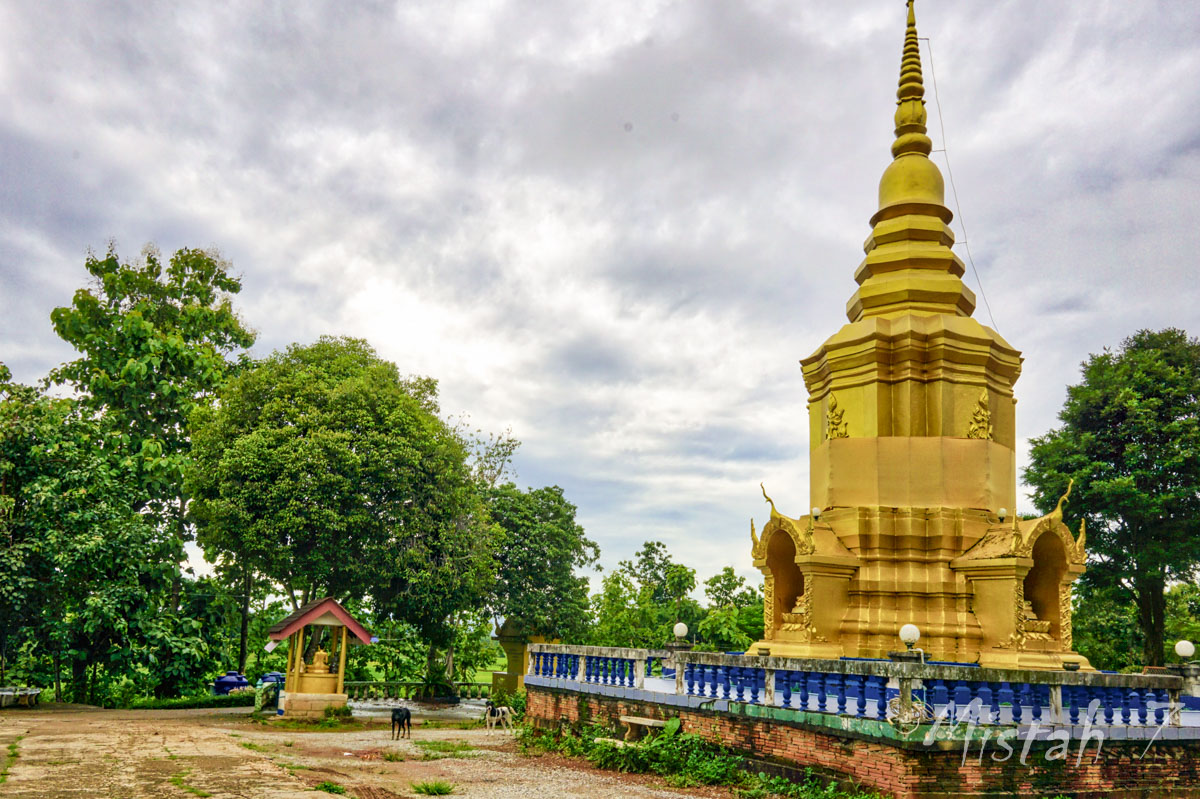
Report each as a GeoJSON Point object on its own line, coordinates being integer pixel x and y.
{"type": "Point", "coordinates": [84, 573]}
{"type": "Point", "coordinates": [326, 472]}
{"type": "Point", "coordinates": [1130, 438]}
{"type": "Point", "coordinates": [641, 600]}
{"type": "Point", "coordinates": [542, 547]}
{"type": "Point", "coordinates": [155, 341]}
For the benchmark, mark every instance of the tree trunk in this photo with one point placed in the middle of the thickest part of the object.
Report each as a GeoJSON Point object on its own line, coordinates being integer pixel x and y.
{"type": "Point", "coordinates": [1152, 613]}
{"type": "Point", "coordinates": [57, 676]}
{"type": "Point", "coordinates": [79, 681]}
{"type": "Point", "coordinates": [430, 663]}
{"type": "Point", "coordinates": [245, 633]}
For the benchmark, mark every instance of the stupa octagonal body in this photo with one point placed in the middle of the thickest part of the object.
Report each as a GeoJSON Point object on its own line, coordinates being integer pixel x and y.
{"type": "Point", "coordinates": [912, 427]}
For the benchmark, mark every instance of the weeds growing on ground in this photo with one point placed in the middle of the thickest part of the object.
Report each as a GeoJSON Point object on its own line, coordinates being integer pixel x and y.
{"type": "Point", "coordinates": [13, 754]}
{"type": "Point", "coordinates": [329, 787]}
{"type": "Point", "coordinates": [433, 788]}
{"type": "Point", "coordinates": [393, 757]}
{"type": "Point", "coordinates": [436, 724]}
{"type": "Point", "coordinates": [178, 781]}
{"type": "Point", "coordinates": [331, 724]}
{"type": "Point", "coordinates": [437, 750]}
{"type": "Point", "coordinates": [685, 760]}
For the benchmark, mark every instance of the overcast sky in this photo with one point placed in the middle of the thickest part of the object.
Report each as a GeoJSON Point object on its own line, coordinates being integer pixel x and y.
{"type": "Point", "coordinates": [614, 227]}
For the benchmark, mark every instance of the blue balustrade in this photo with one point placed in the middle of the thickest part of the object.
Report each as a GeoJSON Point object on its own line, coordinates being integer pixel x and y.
{"type": "Point", "coordinates": [983, 692]}
{"type": "Point", "coordinates": [1005, 696]}
{"type": "Point", "coordinates": [860, 684]}
{"type": "Point", "coordinates": [838, 684]}
{"type": "Point", "coordinates": [880, 697]}
{"type": "Point", "coordinates": [867, 695]}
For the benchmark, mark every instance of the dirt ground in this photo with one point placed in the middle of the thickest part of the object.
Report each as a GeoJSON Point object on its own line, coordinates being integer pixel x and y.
{"type": "Point", "coordinates": [130, 754]}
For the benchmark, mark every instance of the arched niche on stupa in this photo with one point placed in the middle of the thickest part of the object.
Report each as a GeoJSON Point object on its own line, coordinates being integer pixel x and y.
{"type": "Point", "coordinates": [1044, 584]}
{"type": "Point", "coordinates": [787, 579]}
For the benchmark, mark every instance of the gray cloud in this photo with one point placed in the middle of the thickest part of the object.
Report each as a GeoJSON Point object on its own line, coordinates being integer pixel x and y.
{"type": "Point", "coordinates": [615, 227]}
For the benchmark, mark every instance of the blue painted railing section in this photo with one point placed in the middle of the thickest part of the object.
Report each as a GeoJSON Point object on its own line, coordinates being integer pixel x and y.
{"type": "Point", "coordinates": [609, 671]}
{"type": "Point", "coordinates": [868, 695]}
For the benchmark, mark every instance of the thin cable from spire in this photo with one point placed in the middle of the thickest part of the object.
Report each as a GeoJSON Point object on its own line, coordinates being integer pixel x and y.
{"type": "Point", "coordinates": [966, 242]}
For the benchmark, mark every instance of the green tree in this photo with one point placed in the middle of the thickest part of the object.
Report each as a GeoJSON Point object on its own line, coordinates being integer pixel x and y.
{"type": "Point", "coordinates": [640, 602]}
{"type": "Point", "coordinates": [1130, 439]}
{"type": "Point", "coordinates": [625, 615]}
{"type": "Point", "coordinates": [542, 546]}
{"type": "Point", "coordinates": [326, 472]}
{"type": "Point", "coordinates": [1105, 628]}
{"type": "Point", "coordinates": [84, 573]}
{"type": "Point", "coordinates": [734, 619]}
{"type": "Point", "coordinates": [155, 343]}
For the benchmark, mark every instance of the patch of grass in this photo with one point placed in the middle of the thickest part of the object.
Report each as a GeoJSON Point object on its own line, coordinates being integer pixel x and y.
{"type": "Point", "coordinates": [12, 755]}
{"type": "Point", "coordinates": [433, 788]}
{"type": "Point", "coordinates": [329, 787]}
{"type": "Point", "coordinates": [311, 725]}
{"type": "Point", "coordinates": [253, 747]}
{"type": "Point", "coordinates": [178, 781]}
{"type": "Point", "coordinates": [438, 750]}
{"type": "Point", "coordinates": [288, 743]}
{"type": "Point", "coordinates": [468, 724]}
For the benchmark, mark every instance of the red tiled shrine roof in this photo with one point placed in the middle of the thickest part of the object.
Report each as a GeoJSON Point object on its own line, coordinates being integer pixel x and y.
{"type": "Point", "coordinates": [312, 611]}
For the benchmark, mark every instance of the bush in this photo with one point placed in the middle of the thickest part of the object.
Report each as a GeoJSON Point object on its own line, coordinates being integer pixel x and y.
{"type": "Point", "coordinates": [203, 700]}
{"type": "Point", "coordinates": [514, 700]}
{"type": "Point", "coordinates": [685, 760]}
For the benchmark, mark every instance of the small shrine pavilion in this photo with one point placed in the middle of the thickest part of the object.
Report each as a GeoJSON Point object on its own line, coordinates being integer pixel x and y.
{"type": "Point", "coordinates": [311, 687]}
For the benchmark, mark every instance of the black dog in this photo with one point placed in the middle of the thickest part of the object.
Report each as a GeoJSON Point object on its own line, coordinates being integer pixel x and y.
{"type": "Point", "coordinates": [401, 722]}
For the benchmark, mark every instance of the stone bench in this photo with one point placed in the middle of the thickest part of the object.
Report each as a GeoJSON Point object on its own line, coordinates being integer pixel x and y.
{"type": "Point", "coordinates": [25, 697]}
{"type": "Point", "coordinates": [637, 727]}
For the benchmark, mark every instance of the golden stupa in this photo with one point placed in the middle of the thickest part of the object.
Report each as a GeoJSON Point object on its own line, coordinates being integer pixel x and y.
{"type": "Point", "coordinates": [913, 463]}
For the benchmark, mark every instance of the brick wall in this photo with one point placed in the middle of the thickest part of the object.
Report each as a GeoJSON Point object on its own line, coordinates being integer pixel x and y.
{"type": "Point", "coordinates": [1167, 769]}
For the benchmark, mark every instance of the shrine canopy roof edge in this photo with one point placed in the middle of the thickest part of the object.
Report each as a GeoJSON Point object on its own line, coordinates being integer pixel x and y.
{"type": "Point", "coordinates": [324, 611]}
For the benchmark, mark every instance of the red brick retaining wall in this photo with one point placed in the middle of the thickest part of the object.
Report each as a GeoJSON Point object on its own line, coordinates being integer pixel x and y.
{"type": "Point", "coordinates": [1166, 769]}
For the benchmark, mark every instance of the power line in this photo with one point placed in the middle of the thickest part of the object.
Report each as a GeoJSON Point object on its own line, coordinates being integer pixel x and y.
{"type": "Point", "coordinates": [966, 242]}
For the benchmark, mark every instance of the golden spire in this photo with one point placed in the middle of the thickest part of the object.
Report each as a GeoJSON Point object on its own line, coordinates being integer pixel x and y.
{"type": "Point", "coordinates": [909, 266]}
{"type": "Point", "coordinates": [910, 102]}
